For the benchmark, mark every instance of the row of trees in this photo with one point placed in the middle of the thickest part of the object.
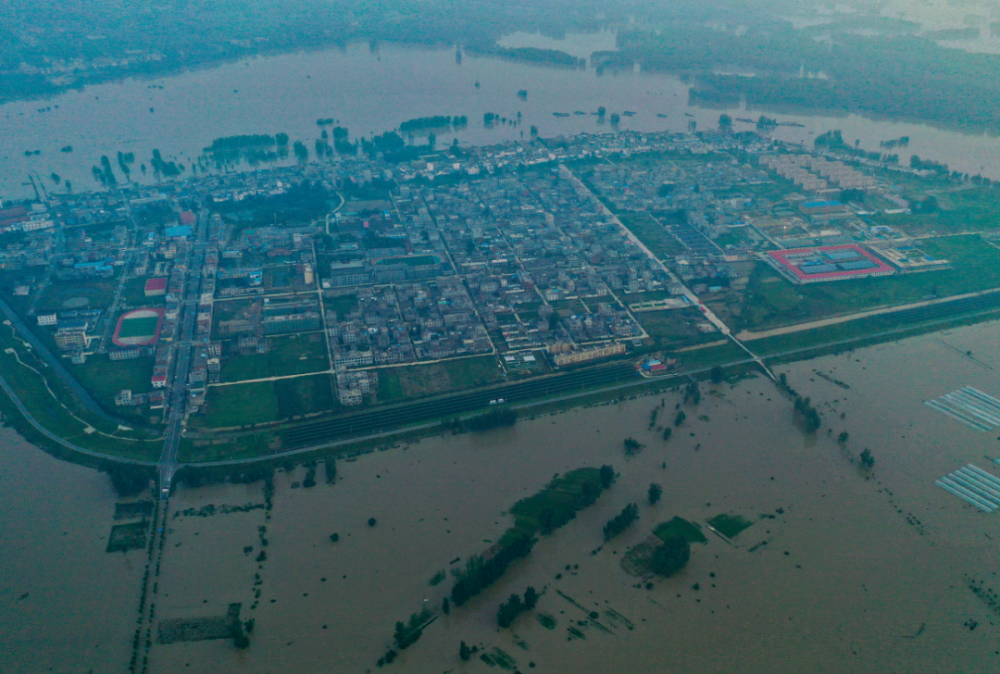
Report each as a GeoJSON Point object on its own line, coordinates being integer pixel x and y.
{"type": "Point", "coordinates": [621, 521]}
{"type": "Point", "coordinates": [498, 417]}
{"type": "Point", "coordinates": [480, 573]}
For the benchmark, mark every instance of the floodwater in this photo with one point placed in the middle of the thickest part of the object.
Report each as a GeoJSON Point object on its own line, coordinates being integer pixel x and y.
{"type": "Point", "coordinates": [374, 91]}
{"type": "Point", "coordinates": [66, 605]}
{"type": "Point", "coordinates": [854, 573]}
{"type": "Point", "coordinates": [851, 571]}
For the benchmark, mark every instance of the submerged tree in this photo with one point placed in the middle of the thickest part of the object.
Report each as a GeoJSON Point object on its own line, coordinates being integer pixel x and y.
{"type": "Point", "coordinates": [867, 460]}
{"type": "Point", "coordinates": [654, 493]}
{"type": "Point", "coordinates": [671, 557]}
{"type": "Point", "coordinates": [607, 475]}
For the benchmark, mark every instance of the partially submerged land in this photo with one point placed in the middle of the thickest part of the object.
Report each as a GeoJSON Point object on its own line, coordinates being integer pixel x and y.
{"type": "Point", "coordinates": [830, 542]}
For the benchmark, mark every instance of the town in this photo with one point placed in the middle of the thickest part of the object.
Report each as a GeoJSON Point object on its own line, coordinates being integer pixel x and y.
{"type": "Point", "coordinates": [217, 307]}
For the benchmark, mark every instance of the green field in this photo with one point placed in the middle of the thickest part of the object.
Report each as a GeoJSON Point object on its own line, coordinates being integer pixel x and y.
{"type": "Point", "coordinates": [389, 386]}
{"type": "Point", "coordinates": [304, 395]}
{"type": "Point", "coordinates": [98, 292]}
{"type": "Point", "coordinates": [418, 381]}
{"type": "Point", "coordinates": [341, 304]}
{"type": "Point", "coordinates": [104, 377]}
{"type": "Point", "coordinates": [59, 411]}
{"type": "Point", "coordinates": [296, 354]}
{"type": "Point", "coordinates": [134, 294]}
{"type": "Point", "coordinates": [139, 327]}
{"type": "Point", "coordinates": [689, 531]}
{"type": "Point", "coordinates": [240, 405]}
{"type": "Point", "coordinates": [671, 328]}
{"type": "Point", "coordinates": [975, 209]}
{"type": "Point", "coordinates": [557, 502]}
{"type": "Point", "coordinates": [730, 525]}
{"type": "Point", "coordinates": [242, 447]}
{"type": "Point", "coordinates": [772, 301]}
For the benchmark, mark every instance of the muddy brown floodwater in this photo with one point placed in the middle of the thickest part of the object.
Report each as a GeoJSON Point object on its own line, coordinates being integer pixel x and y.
{"type": "Point", "coordinates": [849, 572]}
{"type": "Point", "coordinates": [66, 605]}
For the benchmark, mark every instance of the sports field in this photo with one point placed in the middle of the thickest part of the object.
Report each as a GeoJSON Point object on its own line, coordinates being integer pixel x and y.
{"type": "Point", "coordinates": [138, 328]}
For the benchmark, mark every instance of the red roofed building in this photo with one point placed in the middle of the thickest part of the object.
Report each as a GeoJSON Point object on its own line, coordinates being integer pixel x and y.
{"type": "Point", "coordinates": [187, 218]}
{"type": "Point", "coordinates": [156, 287]}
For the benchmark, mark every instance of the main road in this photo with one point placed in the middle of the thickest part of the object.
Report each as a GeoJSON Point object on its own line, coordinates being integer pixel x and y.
{"type": "Point", "coordinates": [194, 259]}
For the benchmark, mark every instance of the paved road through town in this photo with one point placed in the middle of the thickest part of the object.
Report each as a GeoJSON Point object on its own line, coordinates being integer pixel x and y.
{"type": "Point", "coordinates": [194, 258]}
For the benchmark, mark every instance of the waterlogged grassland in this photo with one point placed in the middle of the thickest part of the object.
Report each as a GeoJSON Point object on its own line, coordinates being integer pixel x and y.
{"type": "Point", "coordinates": [772, 301]}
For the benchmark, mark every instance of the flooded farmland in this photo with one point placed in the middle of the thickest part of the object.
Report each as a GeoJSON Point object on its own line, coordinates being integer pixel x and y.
{"type": "Point", "coordinates": [842, 569]}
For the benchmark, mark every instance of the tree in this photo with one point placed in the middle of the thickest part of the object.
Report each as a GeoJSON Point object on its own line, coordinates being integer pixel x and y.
{"type": "Point", "coordinates": [464, 652]}
{"type": "Point", "coordinates": [671, 557]}
{"type": "Point", "coordinates": [300, 150]}
{"type": "Point", "coordinates": [601, 111]}
{"type": "Point", "coordinates": [371, 521]}
{"type": "Point", "coordinates": [725, 123]}
{"type": "Point", "coordinates": [810, 417]}
{"type": "Point", "coordinates": [632, 446]}
{"type": "Point", "coordinates": [310, 479]}
{"type": "Point", "coordinates": [530, 598]}
{"type": "Point", "coordinates": [654, 493]}
{"type": "Point", "coordinates": [867, 460]}
{"type": "Point", "coordinates": [692, 393]}
{"type": "Point", "coordinates": [509, 610]}
{"type": "Point", "coordinates": [446, 606]}
{"type": "Point", "coordinates": [607, 475]}
{"type": "Point", "coordinates": [667, 432]}
{"type": "Point", "coordinates": [842, 438]}
{"type": "Point", "coordinates": [716, 374]}
{"type": "Point", "coordinates": [679, 419]}
{"type": "Point", "coordinates": [334, 537]}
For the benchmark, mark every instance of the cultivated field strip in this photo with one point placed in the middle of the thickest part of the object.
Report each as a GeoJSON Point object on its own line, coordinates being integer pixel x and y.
{"type": "Point", "coordinates": [970, 407]}
{"type": "Point", "coordinates": [974, 486]}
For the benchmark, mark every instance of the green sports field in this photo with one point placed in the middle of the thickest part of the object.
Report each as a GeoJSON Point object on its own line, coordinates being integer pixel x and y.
{"type": "Point", "coordinates": [138, 327]}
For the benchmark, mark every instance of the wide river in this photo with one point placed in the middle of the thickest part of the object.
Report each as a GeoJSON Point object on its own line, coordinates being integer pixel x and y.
{"type": "Point", "coordinates": [371, 91]}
